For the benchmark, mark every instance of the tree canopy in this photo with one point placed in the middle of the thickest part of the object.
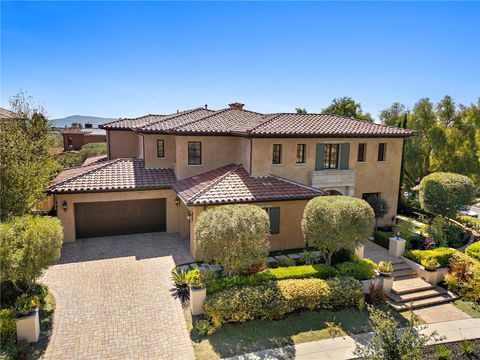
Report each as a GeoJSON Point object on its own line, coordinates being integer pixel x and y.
{"type": "Point", "coordinates": [235, 236]}
{"type": "Point", "coordinates": [332, 223]}
{"type": "Point", "coordinates": [346, 106]}
{"type": "Point", "coordinates": [26, 165]}
{"type": "Point", "coordinates": [446, 193]}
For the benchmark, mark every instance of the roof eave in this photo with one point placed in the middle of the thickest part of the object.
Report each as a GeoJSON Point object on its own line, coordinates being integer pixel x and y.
{"type": "Point", "coordinates": [144, 188]}
{"type": "Point", "coordinates": [189, 203]}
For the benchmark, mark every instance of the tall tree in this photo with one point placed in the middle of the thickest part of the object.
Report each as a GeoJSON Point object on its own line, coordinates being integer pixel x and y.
{"type": "Point", "coordinates": [301, 110]}
{"type": "Point", "coordinates": [346, 106]}
{"type": "Point", "coordinates": [27, 164]}
{"type": "Point", "coordinates": [395, 115]}
{"type": "Point", "coordinates": [446, 111]}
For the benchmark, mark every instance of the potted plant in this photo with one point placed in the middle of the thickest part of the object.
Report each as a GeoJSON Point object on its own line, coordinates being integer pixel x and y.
{"type": "Point", "coordinates": [198, 291]}
{"type": "Point", "coordinates": [430, 264]}
{"type": "Point", "coordinates": [27, 320]}
{"type": "Point", "coordinates": [385, 268]}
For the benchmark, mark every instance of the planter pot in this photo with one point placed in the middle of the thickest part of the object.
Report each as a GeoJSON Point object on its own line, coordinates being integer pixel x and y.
{"type": "Point", "coordinates": [387, 283]}
{"type": "Point", "coordinates": [28, 326]}
{"type": "Point", "coordinates": [396, 246]}
{"type": "Point", "coordinates": [197, 298]}
{"type": "Point", "coordinates": [431, 276]}
{"type": "Point", "coordinates": [383, 274]}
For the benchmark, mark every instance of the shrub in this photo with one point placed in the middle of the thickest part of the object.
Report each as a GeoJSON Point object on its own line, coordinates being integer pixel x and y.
{"type": "Point", "coordinates": [380, 207]}
{"type": "Point", "coordinates": [308, 258]}
{"type": "Point", "coordinates": [430, 263]}
{"type": "Point", "coordinates": [29, 244]}
{"type": "Point", "coordinates": [360, 269]}
{"type": "Point", "coordinates": [441, 254]}
{"type": "Point", "coordinates": [468, 347]}
{"type": "Point", "coordinates": [284, 261]}
{"type": "Point", "coordinates": [342, 255]}
{"type": "Point", "coordinates": [391, 344]}
{"type": "Point", "coordinates": [382, 238]}
{"type": "Point", "coordinates": [92, 149]}
{"type": "Point", "coordinates": [180, 288]}
{"type": "Point", "coordinates": [320, 271]}
{"type": "Point", "coordinates": [376, 293]}
{"type": "Point", "coordinates": [443, 352]}
{"type": "Point", "coordinates": [275, 299]}
{"type": "Point", "coordinates": [469, 221]}
{"type": "Point", "coordinates": [331, 223]}
{"type": "Point", "coordinates": [235, 236]}
{"type": "Point", "coordinates": [456, 236]}
{"type": "Point", "coordinates": [8, 328]}
{"type": "Point", "coordinates": [473, 250]}
{"type": "Point", "coordinates": [464, 277]}
{"type": "Point", "coordinates": [204, 327]}
{"type": "Point", "coordinates": [446, 193]}
{"type": "Point", "coordinates": [69, 160]}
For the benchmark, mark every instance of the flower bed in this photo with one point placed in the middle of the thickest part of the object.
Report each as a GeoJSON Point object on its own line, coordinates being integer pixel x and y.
{"type": "Point", "coordinates": [275, 299]}
{"type": "Point", "coordinates": [441, 254]}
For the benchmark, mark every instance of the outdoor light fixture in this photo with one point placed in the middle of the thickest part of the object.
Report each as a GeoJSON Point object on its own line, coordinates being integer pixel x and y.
{"type": "Point", "coordinates": [189, 215]}
{"type": "Point", "coordinates": [177, 201]}
{"type": "Point", "coordinates": [64, 205]}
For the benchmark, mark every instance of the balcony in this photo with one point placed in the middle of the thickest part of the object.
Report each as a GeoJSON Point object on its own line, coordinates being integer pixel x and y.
{"type": "Point", "coordinates": [342, 181]}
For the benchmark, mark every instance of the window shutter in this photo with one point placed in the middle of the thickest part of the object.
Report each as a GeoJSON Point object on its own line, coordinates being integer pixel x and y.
{"type": "Point", "coordinates": [319, 157]}
{"type": "Point", "coordinates": [274, 220]}
{"type": "Point", "coordinates": [345, 155]}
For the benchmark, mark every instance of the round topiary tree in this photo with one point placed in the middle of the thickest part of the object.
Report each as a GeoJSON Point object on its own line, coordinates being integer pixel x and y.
{"type": "Point", "coordinates": [331, 223]}
{"type": "Point", "coordinates": [235, 236]}
{"type": "Point", "coordinates": [446, 193]}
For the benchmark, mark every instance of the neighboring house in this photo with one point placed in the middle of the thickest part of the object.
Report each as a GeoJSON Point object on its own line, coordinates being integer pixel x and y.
{"type": "Point", "coordinates": [164, 170]}
{"type": "Point", "coordinates": [7, 114]}
{"type": "Point", "coordinates": [75, 138]}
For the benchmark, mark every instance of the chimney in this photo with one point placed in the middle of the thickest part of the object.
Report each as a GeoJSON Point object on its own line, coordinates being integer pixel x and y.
{"type": "Point", "coordinates": [236, 105]}
{"type": "Point", "coordinates": [206, 106]}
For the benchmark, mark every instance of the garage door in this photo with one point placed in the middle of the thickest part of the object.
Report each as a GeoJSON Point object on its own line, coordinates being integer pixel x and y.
{"type": "Point", "coordinates": [119, 217]}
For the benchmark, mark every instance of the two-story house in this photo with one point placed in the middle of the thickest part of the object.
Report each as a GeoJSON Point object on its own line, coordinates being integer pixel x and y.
{"type": "Point", "coordinates": [164, 170]}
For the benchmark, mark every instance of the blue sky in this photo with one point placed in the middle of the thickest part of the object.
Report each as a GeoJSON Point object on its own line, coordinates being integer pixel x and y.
{"type": "Point", "coordinates": [127, 59]}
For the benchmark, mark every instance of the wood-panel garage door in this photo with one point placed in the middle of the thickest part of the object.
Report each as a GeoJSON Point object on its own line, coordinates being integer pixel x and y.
{"type": "Point", "coordinates": [119, 217]}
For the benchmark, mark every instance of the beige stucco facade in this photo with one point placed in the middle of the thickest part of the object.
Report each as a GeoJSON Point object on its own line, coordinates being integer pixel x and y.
{"type": "Point", "coordinates": [151, 155]}
{"type": "Point", "coordinates": [124, 144]}
{"type": "Point", "coordinates": [290, 235]}
{"type": "Point", "coordinates": [68, 217]}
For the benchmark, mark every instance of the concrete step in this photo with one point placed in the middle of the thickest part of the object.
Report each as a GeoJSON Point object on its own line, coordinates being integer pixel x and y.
{"type": "Point", "coordinates": [401, 266]}
{"type": "Point", "coordinates": [419, 295]}
{"type": "Point", "coordinates": [397, 261]}
{"type": "Point", "coordinates": [410, 285]}
{"type": "Point", "coordinates": [403, 273]}
{"type": "Point", "coordinates": [416, 304]}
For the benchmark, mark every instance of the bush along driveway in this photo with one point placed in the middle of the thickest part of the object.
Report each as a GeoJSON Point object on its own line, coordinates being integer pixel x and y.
{"type": "Point", "coordinates": [113, 299]}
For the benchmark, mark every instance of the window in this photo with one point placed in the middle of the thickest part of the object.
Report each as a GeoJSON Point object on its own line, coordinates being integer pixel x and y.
{"type": "Point", "coordinates": [366, 196]}
{"type": "Point", "coordinates": [69, 142]}
{"type": "Point", "coordinates": [382, 151]}
{"type": "Point", "coordinates": [194, 153]}
{"type": "Point", "coordinates": [277, 154]}
{"type": "Point", "coordinates": [274, 216]}
{"type": "Point", "coordinates": [330, 156]}
{"type": "Point", "coordinates": [362, 152]}
{"type": "Point", "coordinates": [301, 153]}
{"type": "Point", "coordinates": [160, 148]}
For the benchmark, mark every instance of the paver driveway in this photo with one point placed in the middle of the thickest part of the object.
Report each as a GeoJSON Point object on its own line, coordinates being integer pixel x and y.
{"type": "Point", "coordinates": [113, 299]}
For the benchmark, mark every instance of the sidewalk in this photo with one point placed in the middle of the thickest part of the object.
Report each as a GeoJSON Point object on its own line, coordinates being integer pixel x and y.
{"type": "Point", "coordinates": [342, 348]}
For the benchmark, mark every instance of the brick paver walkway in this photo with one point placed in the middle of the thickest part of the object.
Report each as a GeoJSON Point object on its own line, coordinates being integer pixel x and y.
{"type": "Point", "coordinates": [113, 299]}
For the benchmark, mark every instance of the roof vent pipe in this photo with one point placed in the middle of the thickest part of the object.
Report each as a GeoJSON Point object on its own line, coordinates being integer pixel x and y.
{"type": "Point", "coordinates": [206, 106]}
{"type": "Point", "coordinates": [177, 111]}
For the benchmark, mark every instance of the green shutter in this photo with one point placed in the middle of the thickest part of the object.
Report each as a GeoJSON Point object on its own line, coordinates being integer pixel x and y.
{"type": "Point", "coordinates": [345, 156]}
{"type": "Point", "coordinates": [274, 220]}
{"type": "Point", "coordinates": [319, 157]}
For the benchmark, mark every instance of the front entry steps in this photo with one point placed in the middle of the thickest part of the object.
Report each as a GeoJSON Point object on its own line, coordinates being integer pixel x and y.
{"type": "Point", "coordinates": [412, 292]}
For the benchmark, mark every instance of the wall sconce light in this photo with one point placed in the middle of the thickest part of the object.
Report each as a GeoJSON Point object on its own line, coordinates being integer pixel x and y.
{"type": "Point", "coordinates": [189, 215]}
{"type": "Point", "coordinates": [64, 205]}
{"type": "Point", "coordinates": [177, 201]}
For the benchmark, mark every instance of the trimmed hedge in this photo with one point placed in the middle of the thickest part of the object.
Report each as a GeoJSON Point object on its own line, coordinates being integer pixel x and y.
{"type": "Point", "coordinates": [320, 271]}
{"type": "Point", "coordinates": [382, 238]}
{"type": "Point", "coordinates": [275, 299]}
{"type": "Point", "coordinates": [360, 269]}
{"type": "Point", "coordinates": [441, 254]}
{"type": "Point", "coordinates": [470, 222]}
{"type": "Point", "coordinates": [473, 250]}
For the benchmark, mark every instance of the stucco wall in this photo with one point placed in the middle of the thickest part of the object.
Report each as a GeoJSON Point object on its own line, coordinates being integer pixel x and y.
{"type": "Point", "coordinates": [217, 151]}
{"type": "Point", "coordinates": [371, 175]}
{"type": "Point", "coordinates": [124, 144]}
{"type": "Point", "coordinates": [151, 159]}
{"type": "Point", "coordinates": [290, 235]}
{"type": "Point", "coordinates": [68, 218]}
{"type": "Point", "coordinates": [77, 141]}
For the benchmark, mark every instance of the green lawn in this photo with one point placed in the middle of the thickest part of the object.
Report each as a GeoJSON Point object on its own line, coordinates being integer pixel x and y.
{"type": "Point", "coordinates": [236, 339]}
{"type": "Point", "coordinates": [468, 307]}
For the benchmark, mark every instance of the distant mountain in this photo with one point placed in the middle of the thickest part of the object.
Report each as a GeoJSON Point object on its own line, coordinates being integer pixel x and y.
{"type": "Point", "coordinates": [67, 121]}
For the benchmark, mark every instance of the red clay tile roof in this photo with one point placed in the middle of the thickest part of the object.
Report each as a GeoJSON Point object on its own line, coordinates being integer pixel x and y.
{"type": "Point", "coordinates": [94, 160]}
{"type": "Point", "coordinates": [118, 174]}
{"type": "Point", "coordinates": [232, 184]}
{"type": "Point", "coordinates": [230, 121]}
{"type": "Point", "coordinates": [317, 125]}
